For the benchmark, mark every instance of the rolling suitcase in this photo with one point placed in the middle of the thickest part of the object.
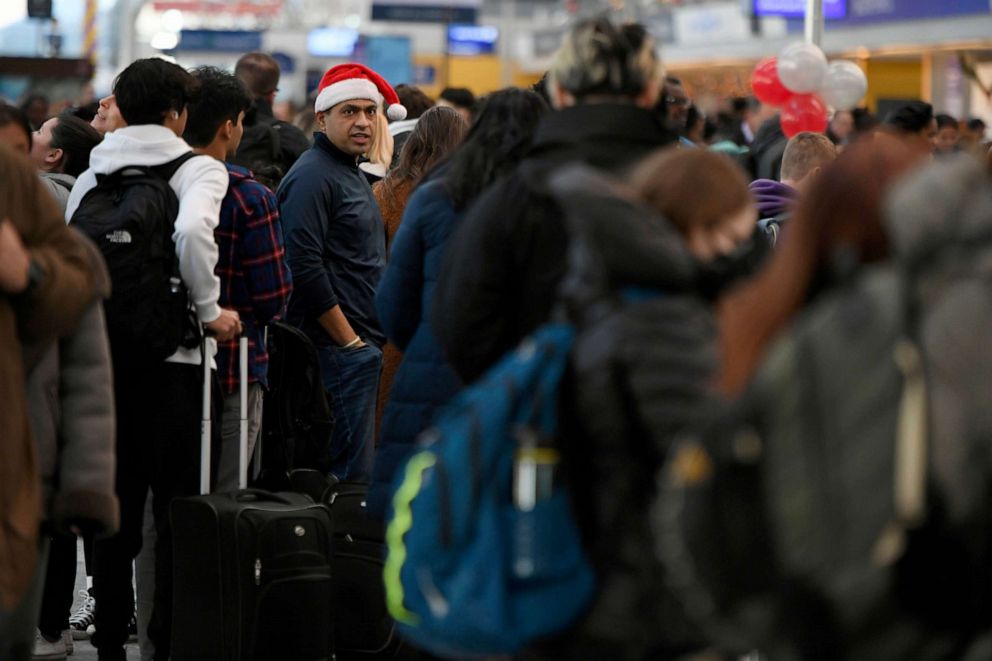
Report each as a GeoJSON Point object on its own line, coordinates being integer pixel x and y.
{"type": "Point", "coordinates": [252, 572]}
{"type": "Point", "coordinates": [363, 628]}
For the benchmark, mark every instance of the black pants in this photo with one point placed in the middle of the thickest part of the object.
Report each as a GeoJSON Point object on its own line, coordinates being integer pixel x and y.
{"type": "Point", "coordinates": [60, 579]}
{"type": "Point", "coordinates": [159, 409]}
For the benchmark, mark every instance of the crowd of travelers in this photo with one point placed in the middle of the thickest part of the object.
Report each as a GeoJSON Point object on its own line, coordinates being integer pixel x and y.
{"type": "Point", "coordinates": [775, 425]}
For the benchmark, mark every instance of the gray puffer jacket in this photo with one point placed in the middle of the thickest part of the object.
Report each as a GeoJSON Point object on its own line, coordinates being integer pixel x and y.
{"type": "Point", "coordinates": [59, 185]}
{"type": "Point", "coordinates": [71, 409]}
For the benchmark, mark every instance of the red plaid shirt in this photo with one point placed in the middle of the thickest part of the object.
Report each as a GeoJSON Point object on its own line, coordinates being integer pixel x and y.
{"type": "Point", "coordinates": [254, 275]}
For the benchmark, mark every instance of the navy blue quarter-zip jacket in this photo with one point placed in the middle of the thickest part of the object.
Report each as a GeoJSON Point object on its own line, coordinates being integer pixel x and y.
{"type": "Point", "coordinates": [335, 241]}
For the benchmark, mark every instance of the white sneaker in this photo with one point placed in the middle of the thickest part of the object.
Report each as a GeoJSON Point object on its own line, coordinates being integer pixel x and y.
{"type": "Point", "coordinates": [67, 639]}
{"type": "Point", "coordinates": [46, 650]}
{"type": "Point", "coordinates": [84, 616]}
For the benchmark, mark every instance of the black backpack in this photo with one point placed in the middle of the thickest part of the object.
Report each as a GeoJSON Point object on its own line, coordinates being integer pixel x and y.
{"type": "Point", "coordinates": [130, 214]}
{"type": "Point", "coordinates": [296, 418]}
{"type": "Point", "coordinates": [261, 152]}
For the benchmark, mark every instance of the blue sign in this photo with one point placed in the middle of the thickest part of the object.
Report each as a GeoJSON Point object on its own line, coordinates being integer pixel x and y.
{"type": "Point", "coordinates": [219, 41]}
{"type": "Point", "coordinates": [423, 13]}
{"type": "Point", "coordinates": [332, 42]}
{"type": "Point", "coordinates": [424, 74]}
{"type": "Point", "coordinates": [287, 63]}
{"type": "Point", "coordinates": [472, 39]}
{"type": "Point", "coordinates": [391, 57]}
{"type": "Point", "coordinates": [871, 11]}
{"type": "Point", "coordinates": [832, 9]}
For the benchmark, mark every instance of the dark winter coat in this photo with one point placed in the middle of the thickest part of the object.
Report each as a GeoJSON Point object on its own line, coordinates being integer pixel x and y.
{"type": "Point", "coordinates": [425, 381]}
{"type": "Point", "coordinates": [335, 242]}
{"type": "Point", "coordinates": [504, 264]}
{"type": "Point", "coordinates": [644, 356]}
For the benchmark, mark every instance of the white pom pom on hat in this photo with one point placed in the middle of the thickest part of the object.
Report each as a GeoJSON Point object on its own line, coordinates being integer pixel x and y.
{"type": "Point", "coordinates": [345, 82]}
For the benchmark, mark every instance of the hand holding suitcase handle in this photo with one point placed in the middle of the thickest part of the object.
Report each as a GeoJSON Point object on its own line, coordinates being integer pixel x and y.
{"type": "Point", "coordinates": [225, 327]}
{"type": "Point", "coordinates": [206, 424]}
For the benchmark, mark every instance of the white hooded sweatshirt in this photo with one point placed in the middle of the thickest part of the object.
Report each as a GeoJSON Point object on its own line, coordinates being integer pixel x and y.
{"type": "Point", "coordinates": [200, 184]}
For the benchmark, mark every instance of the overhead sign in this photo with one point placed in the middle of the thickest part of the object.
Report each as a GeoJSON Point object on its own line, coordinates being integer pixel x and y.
{"type": "Point", "coordinates": [426, 11]}
{"type": "Point", "coordinates": [219, 41]}
{"type": "Point", "coordinates": [832, 9]}
{"type": "Point", "coordinates": [388, 55]}
{"type": "Point", "coordinates": [240, 7]}
{"type": "Point", "coordinates": [332, 42]}
{"type": "Point", "coordinates": [870, 11]}
{"type": "Point", "coordinates": [711, 24]}
{"type": "Point", "coordinates": [472, 39]}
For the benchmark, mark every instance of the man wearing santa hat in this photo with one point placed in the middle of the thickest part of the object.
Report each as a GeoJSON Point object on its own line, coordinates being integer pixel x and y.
{"type": "Point", "coordinates": [336, 245]}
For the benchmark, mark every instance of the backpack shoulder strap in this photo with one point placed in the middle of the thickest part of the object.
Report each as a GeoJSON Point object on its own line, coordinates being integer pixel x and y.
{"type": "Point", "coordinates": [168, 170]}
{"type": "Point", "coordinates": [276, 141]}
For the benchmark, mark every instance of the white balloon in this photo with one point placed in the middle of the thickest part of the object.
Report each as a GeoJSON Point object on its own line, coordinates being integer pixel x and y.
{"type": "Point", "coordinates": [801, 67]}
{"type": "Point", "coordinates": [844, 85]}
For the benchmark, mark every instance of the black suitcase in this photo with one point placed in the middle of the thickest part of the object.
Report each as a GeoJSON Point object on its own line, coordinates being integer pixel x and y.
{"type": "Point", "coordinates": [252, 572]}
{"type": "Point", "coordinates": [363, 628]}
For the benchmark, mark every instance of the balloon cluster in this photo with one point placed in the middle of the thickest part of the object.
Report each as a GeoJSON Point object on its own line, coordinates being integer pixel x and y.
{"type": "Point", "coordinates": [802, 82]}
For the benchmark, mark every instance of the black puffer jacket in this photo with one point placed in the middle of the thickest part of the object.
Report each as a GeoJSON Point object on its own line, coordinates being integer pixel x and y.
{"type": "Point", "coordinates": [503, 264]}
{"type": "Point", "coordinates": [644, 356]}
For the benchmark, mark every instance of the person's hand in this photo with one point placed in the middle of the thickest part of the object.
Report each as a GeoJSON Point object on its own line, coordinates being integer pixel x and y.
{"type": "Point", "coordinates": [14, 260]}
{"type": "Point", "coordinates": [225, 327]}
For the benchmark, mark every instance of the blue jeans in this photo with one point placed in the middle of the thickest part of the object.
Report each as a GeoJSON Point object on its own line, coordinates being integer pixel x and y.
{"type": "Point", "coordinates": [351, 379]}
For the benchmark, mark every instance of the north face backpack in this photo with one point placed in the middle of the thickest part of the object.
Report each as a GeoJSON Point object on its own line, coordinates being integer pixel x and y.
{"type": "Point", "coordinates": [483, 555]}
{"type": "Point", "coordinates": [130, 214]}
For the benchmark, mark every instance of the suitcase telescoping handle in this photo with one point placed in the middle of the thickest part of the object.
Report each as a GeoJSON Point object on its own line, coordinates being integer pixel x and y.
{"type": "Point", "coordinates": [206, 424]}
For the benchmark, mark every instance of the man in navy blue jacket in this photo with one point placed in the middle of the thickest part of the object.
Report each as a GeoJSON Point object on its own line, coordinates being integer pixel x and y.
{"type": "Point", "coordinates": [336, 245]}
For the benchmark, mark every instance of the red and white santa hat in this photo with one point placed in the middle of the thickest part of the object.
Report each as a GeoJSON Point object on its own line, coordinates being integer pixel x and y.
{"type": "Point", "coordinates": [345, 82]}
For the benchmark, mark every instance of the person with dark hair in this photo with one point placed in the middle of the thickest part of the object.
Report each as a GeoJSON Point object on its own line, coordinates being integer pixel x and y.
{"type": "Point", "coordinates": [441, 130]}
{"type": "Point", "coordinates": [15, 130]}
{"type": "Point", "coordinates": [336, 245]}
{"type": "Point", "coordinates": [158, 403]}
{"type": "Point", "coordinates": [864, 121]}
{"type": "Point", "coordinates": [268, 143]}
{"type": "Point", "coordinates": [840, 130]}
{"type": "Point", "coordinates": [61, 150]}
{"type": "Point", "coordinates": [973, 136]}
{"type": "Point", "coordinates": [948, 135]}
{"type": "Point", "coordinates": [740, 125]}
{"type": "Point", "coordinates": [504, 127]}
{"type": "Point", "coordinates": [35, 108]}
{"type": "Point", "coordinates": [459, 98]}
{"type": "Point", "coordinates": [674, 103]}
{"type": "Point", "coordinates": [695, 126]}
{"type": "Point", "coordinates": [500, 277]}
{"type": "Point", "coordinates": [251, 263]}
{"type": "Point", "coordinates": [85, 112]}
{"type": "Point", "coordinates": [914, 121]}
{"type": "Point", "coordinates": [416, 104]}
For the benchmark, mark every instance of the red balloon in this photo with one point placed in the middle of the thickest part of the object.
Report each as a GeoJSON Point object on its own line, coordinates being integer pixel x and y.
{"type": "Point", "coordinates": [803, 112]}
{"type": "Point", "coordinates": [766, 84]}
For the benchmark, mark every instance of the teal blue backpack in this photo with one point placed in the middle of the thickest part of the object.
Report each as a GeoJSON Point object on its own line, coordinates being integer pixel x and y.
{"type": "Point", "coordinates": [484, 556]}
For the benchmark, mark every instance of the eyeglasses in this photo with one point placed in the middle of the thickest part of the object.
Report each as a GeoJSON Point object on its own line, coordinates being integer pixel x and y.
{"type": "Point", "coordinates": [676, 101]}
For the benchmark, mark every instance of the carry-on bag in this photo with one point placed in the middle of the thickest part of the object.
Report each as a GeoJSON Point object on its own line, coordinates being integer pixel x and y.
{"type": "Point", "coordinates": [252, 576]}
{"type": "Point", "coordinates": [363, 628]}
